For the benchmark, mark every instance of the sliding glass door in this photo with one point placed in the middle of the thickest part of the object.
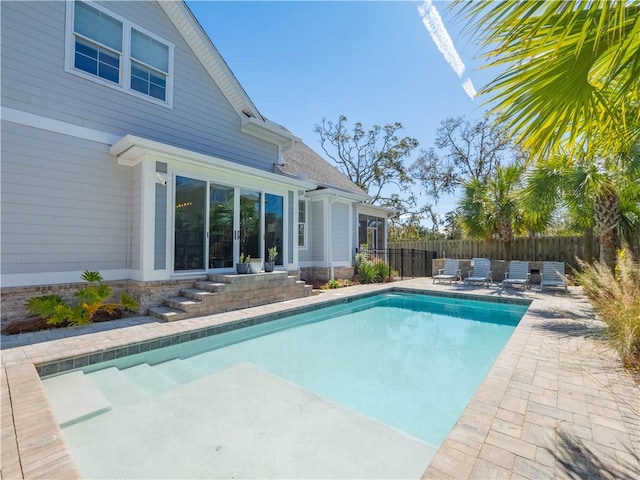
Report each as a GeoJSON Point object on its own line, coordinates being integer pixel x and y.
{"type": "Point", "coordinates": [215, 224]}
{"type": "Point", "coordinates": [221, 226]}
{"type": "Point", "coordinates": [249, 233]}
{"type": "Point", "coordinates": [273, 224]}
{"type": "Point", "coordinates": [190, 214]}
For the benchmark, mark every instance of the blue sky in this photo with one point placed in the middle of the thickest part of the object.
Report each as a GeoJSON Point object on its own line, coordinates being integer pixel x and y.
{"type": "Point", "coordinates": [374, 62]}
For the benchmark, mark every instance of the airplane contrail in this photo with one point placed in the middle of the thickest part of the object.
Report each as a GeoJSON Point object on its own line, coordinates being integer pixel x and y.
{"type": "Point", "coordinates": [432, 21]}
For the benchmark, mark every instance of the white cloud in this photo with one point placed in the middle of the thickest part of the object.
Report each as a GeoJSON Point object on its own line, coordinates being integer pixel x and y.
{"type": "Point", "coordinates": [440, 36]}
{"type": "Point", "coordinates": [469, 88]}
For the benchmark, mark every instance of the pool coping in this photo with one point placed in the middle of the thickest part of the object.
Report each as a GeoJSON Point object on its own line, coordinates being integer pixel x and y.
{"type": "Point", "coordinates": [498, 435]}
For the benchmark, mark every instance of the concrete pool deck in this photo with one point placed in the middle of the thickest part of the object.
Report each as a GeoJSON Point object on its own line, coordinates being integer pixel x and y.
{"type": "Point", "coordinates": [556, 404]}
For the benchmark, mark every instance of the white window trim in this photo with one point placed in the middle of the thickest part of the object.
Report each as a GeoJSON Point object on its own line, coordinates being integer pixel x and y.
{"type": "Point", "coordinates": [306, 223]}
{"type": "Point", "coordinates": [125, 60]}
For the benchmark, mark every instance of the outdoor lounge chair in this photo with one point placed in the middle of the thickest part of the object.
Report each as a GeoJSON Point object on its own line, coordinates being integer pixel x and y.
{"type": "Point", "coordinates": [518, 274]}
{"type": "Point", "coordinates": [481, 272]}
{"type": "Point", "coordinates": [451, 271]}
{"type": "Point", "coordinates": [553, 275]}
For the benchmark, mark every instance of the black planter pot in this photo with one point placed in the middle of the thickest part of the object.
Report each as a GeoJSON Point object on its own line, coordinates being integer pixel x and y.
{"type": "Point", "coordinates": [269, 266]}
{"type": "Point", "coordinates": [242, 268]}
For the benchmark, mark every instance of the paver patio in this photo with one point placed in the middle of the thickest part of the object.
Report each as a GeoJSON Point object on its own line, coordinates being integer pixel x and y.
{"type": "Point", "coordinates": [556, 404]}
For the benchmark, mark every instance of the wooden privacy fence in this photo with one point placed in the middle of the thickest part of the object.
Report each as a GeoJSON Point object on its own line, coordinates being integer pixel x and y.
{"type": "Point", "coordinates": [563, 249]}
{"type": "Point", "coordinates": [408, 262]}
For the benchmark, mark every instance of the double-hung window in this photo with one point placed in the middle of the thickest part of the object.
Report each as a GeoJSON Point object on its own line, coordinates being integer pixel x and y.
{"type": "Point", "coordinates": [98, 43]}
{"type": "Point", "coordinates": [149, 65]}
{"type": "Point", "coordinates": [111, 50]}
{"type": "Point", "coordinates": [302, 224]}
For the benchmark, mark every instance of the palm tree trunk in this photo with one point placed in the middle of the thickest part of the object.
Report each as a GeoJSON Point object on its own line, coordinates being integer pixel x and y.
{"type": "Point", "coordinates": [607, 218]}
{"type": "Point", "coordinates": [589, 242]}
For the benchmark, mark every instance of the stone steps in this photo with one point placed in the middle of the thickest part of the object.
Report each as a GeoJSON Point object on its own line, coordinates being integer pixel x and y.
{"type": "Point", "coordinates": [226, 292]}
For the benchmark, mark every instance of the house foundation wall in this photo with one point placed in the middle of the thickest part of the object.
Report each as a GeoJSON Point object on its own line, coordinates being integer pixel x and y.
{"type": "Point", "coordinates": [13, 300]}
{"type": "Point", "coordinates": [323, 274]}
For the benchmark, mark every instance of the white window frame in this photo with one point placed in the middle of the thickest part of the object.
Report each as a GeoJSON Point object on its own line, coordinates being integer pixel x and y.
{"type": "Point", "coordinates": [305, 223]}
{"type": "Point", "coordinates": [124, 84]}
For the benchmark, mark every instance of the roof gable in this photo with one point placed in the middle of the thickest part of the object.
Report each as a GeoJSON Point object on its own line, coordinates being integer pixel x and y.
{"type": "Point", "coordinates": [252, 121]}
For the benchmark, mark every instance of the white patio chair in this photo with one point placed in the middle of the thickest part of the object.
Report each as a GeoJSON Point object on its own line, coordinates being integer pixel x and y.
{"type": "Point", "coordinates": [517, 274]}
{"type": "Point", "coordinates": [481, 272]}
{"type": "Point", "coordinates": [451, 271]}
{"type": "Point", "coordinates": [553, 275]}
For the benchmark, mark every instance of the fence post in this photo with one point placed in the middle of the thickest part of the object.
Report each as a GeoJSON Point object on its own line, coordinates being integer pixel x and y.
{"type": "Point", "coordinates": [413, 258]}
{"type": "Point", "coordinates": [425, 263]}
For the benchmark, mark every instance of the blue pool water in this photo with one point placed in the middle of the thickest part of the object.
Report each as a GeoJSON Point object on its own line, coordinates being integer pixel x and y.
{"type": "Point", "coordinates": [410, 361]}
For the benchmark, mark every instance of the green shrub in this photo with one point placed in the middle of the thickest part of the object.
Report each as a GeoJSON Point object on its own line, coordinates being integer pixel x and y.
{"type": "Point", "coordinates": [45, 306]}
{"type": "Point", "coordinates": [616, 298]}
{"type": "Point", "coordinates": [90, 301]}
{"type": "Point", "coordinates": [367, 272]}
{"type": "Point", "coordinates": [382, 271]}
{"type": "Point", "coordinates": [361, 258]}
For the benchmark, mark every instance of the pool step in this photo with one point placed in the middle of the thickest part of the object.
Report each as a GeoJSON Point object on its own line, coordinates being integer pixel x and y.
{"type": "Point", "coordinates": [210, 362]}
{"type": "Point", "coordinates": [117, 387]}
{"type": "Point", "coordinates": [149, 379]}
{"type": "Point", "coordinates": [179, 371]}
{"type": "Point", "coordinates": [73, 397]}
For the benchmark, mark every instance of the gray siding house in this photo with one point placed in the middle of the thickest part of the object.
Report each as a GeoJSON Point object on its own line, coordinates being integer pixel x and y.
{"type": "Point", "coordinates": [129, 147]}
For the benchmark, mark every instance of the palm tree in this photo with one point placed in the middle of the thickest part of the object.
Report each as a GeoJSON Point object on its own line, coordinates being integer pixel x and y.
{"type": "Point", "coordinates": [490, 209]}
{"type": "Point", "coordinates": [571, 75]}
{"type": "Point", "coordinates": [570, 85]}
{"type": "Point", "coordinates": [604, 197]}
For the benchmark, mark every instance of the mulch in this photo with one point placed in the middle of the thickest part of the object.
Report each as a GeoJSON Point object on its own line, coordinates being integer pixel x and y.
{"type": "Point", "coordinates": [37, 324]}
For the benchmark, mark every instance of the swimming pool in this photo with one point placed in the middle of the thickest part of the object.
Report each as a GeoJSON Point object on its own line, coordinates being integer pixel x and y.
{"type": "Point", "coordinates": [393, 367]}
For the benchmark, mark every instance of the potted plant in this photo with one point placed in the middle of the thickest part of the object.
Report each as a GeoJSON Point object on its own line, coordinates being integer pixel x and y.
{"type": "Point", "coordinates": [255, 265]}
{"type": "Point", "coordinates": [243, 264]}
{"type": "Point", "coordinates": [272, 253]}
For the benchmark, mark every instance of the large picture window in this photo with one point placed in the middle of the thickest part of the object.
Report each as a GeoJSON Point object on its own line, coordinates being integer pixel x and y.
{"type": "Point", "coordinates": [111, 50]}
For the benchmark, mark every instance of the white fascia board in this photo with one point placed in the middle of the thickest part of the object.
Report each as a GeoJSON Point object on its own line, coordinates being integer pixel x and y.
{"type": "Point", "coordinates": [269, 131]}
{"type": "Point", "coordinates": [374, 210]}
{"type": "Point", "coordinates": [131, 149]}
{"type": "Point", "coordinates": [202, 46]}
{"type": "Point", "coordinates": [334, 193]}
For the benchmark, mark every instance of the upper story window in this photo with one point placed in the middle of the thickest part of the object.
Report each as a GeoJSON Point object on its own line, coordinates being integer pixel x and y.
{"type": "Point", "coordinates": [302, 224]}
{"type": "Point", "coordinates": [117, 53]}
{"type": "Point", "coordinates": [98, 42]}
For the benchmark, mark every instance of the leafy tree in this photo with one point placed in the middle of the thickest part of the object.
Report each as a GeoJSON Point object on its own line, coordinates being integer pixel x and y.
{"type": "Point", "coordinates": [490, 209]}
{"type": "Point", "coordinates": [453, 226]}
{"type": "Point", "coordinates": [467, 150]}
{"type": "Point", "coordinates": [371, 158]}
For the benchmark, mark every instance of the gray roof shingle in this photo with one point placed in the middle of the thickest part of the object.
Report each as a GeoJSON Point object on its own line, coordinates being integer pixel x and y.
{"type": "Point", "coordinates": [300, 159]}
